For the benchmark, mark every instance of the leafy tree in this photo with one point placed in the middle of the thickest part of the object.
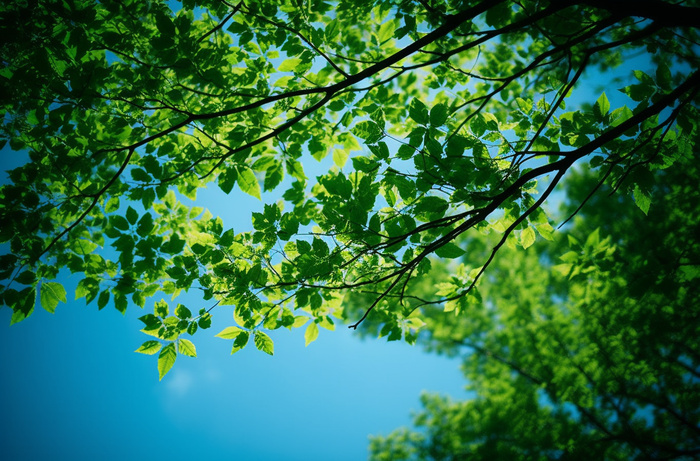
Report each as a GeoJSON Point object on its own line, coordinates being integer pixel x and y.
{"type": "Point", "coordinates": [584, 349]}
{"type": "Point", "coordinates": [443, 118]}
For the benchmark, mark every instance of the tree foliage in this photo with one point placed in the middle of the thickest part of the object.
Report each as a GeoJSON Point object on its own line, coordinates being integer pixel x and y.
{"type": "Point", "coordinates": [585, 349]}
{"type": "Point", "coordinates": [442, 118]}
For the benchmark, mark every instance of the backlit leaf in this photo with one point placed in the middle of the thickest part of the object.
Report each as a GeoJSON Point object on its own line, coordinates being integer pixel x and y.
{"type": "Point", "coordinates": [51, 294]}
{"type": "Point", "coordinates": [186, 347]}
{"type": "Point", "coordinates": [311, 333]}
{"type": "Point", "coordinates": [166, 360]}
{"type": "Point", "coordinates": [527, 237]}
{"type": "Point", "coordinates": [149, 347]}
{"type": "Point", "coordinates": [264, 343]}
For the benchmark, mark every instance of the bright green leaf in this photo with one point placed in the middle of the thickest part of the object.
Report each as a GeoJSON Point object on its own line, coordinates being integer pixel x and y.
{"type": "Point", "coordinates": [248, 182]}
{"type": "Point", "coordinates": [51, 294]}
{"type": "Point", "coordinates": [264, 343]}
{"type": "Point", "coordinates": [166, 360]}
{"type": "Point", "coordinates": [527, 237]}
{"type": "Point", "coordinates": [311, 333]}
{"type": "Point", "coordinates": [289, 65]}
{"type": "Point", "coordinates": [149, 347]}
{"type": "Point", "coordinates": [230, 333]}
{"type": "Point", "coordinates": [186, 347]}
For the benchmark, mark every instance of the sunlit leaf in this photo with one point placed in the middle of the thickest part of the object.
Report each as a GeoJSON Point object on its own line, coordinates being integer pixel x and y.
{"type": "Point", "coordinates": [149, 347]}
{"type": "Point", "coordinates": [264, 343]}
{"type": "Point", "coordinates": [51, 294]}
{"type": "Point", "coordinates": [166, 360]}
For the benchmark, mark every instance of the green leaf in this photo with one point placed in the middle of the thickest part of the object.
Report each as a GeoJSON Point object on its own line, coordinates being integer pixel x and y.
{"type": "Point", "coordinates": [289, 65]}
{"type": "Point", "coordinates": [149, 347]}
{"type": "Point", "coordinates": [145, 225]}
{"type": "Point", "coordinates": [87, 288]}
{"type": "Point", "coordinates": [438, 115]}
{"type": "Point", "coordinates": [205, 321]}
{"type": "Point", "coordinates": [602, 106]}
{"type": "Point", "coordinates": [165, 25]}
{"type": "Point", "coordinates": [112, 205]}
{"type": "Point", "coordinates": [185, 347]}
{"type": "Point", "coordinates": [248, 182]}
{"type": "Point", "coordinates": [161, 308]}
{"type": "Point", "coordinates": [642, 199]}
{"type": "Point", "coordinates": [227, 179]}
{"type": "Point", "coordinates": [230, 333]}
{"type": "Point", "coordinates": [51, 294]}
{"type": "Point", "coordinates": [663, 76]}
{"type": "Point", "coordinates": [82, 246]}
{"type": "Point", "coordinates": [368, 130]}
{"type": "Point", "coordinates": [240, 342]}
{"type": "Point", "coordinates": [340, 156]}
{"type": "Point", "coordinates": [264, 343]}
{"type": "Point", "coordinates": [166, 360]}
{"type": "Point", "coordinates": [132, 216]}
{"type": "Point", "coordinates": [527, 237]}
{"type": "Point", "coordinates": [182, 312]}
{"type": "Point", "coordinates": [26, 278]}
{"type": "Point", "coordinates": [311, 333]}
{"type": "Point", "coordinates": [103, 299]}
{"type": "Point", "coordinates": [418, 112]}
{"type": "Point", "coordinates": [119, 222]}
{"type": "Point", "coordinates": [449, 250]}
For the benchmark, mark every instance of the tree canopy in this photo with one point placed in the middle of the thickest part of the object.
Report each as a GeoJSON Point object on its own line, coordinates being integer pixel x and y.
{"type": "Point", "coordinates": [586, 348]}
{"type": "Point", "coordinates": [445, 120]}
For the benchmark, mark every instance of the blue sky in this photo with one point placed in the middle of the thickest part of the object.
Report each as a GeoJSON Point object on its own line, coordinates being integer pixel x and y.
{"type": "Point", "coordinates": [72, 387]}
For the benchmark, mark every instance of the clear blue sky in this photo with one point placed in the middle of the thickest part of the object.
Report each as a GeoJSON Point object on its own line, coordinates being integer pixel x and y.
{"type": "Point", "coordinates": [72, 387]}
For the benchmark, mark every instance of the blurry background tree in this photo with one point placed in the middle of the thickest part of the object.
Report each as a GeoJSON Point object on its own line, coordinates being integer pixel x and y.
{"type": "Point", "coordinates": [583, 349]}
{"type": "Point", "coordinates": [440, 119]}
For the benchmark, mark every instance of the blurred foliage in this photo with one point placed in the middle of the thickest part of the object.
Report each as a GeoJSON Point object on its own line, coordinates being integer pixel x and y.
{"type": "Point", "coordinates": [582, 349]}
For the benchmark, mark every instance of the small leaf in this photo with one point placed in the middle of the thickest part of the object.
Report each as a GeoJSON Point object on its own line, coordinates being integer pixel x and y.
{"type": "Point", "coordinates": [132, 215]}
{"type": "Point", "coordinates": [602, 106]}
{"type": "Point", "coordinates": [368, 130]}
{"type": "Point", "coordinates": [311, 333]}
{"type": "Point", "coordinates": [119, 222]}
{"type": "Point", "coordinates": [103, 299]}
{"type": "Point", "coordinates": [51, 294]}
{"type": "Point", "coordinates": [26, 278]}
{"type": "Point", "coordinates": [112, 205]}
{"type": "Point", "coordinates": [449, 250]}
{"type": "Point", "coordinates": [288, 65]}
{"type": "Point", "coordinates": [340, 156]}
{"type": "Point", "coordinates": [527, 237]}
{"type": "Point", "coordinates": [418, 112]}
{"type": "Point", "coordinates": [248, 182]}
{"type": "Point", "coordinates": [227, 179]}
{"type": "Point", "coordinates": [438, 115]}
{"type": "Point", "coordinates": [204, 321]}
{"type": "Point", "coordinates": [230, 333]}
{"type": "Point", "coordinates": [149, 347]}
{"type": "Point", "coordinates": [264, 343]}
{"type": "Point", "coordinates": [186, 347]}
{"type": "Point", "coordinates": [160, 308]}
{"type": "Point", "coordinates": [642, 199]}
{"type": "Point", "coordinates": [166, 360]}
{"type": "Point", "coordinates": [240, 342]}
{"type": "Point", "coordinates": [182, 312]}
